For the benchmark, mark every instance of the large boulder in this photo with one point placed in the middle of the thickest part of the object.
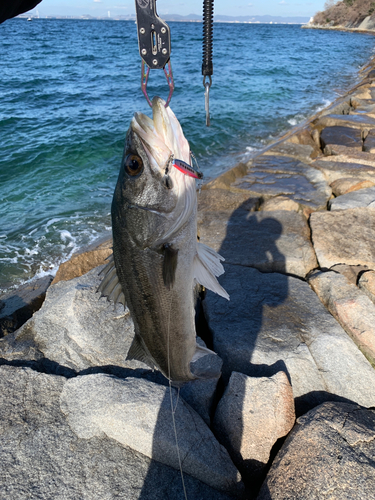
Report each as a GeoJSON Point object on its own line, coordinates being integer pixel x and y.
{"type": "Point", "coordinates": [362, 198]}
{"type": "Point", "coordinates": [343, 136]}
{"type": "Point", "coordinates": [138, 414]}
{"type": "Point", "coordinates": [275, 322]}
{"type": "Point", "coordinates": [83, 261]}
{"type": "Point", "coordinates": [351, 121]}
{"type": "Point", "coordinates": [350, 306]}
{"type": "Point", "coordinates": [336, 167]}
{"type": "Point", "coordinates": [17, 306]}
{"type": "Point", "coordinates": [345, 185]}
{"type": "Point", "coordinates": [367, 284]}
{"type": "Point", "coordinates": [270, 175]}
{"type": "Point", "coordinates": [272, 241]}
{"type": "Point", "coordinates": [76, 331]}
{"type": "Point", "coordinates": [329, 454]}
{"type": "Point", "coordinates": [344, 237]}
{"type": "Point", "coordinates": [42, 457]}
{"type": "Point", "coordinates": [251, 416]}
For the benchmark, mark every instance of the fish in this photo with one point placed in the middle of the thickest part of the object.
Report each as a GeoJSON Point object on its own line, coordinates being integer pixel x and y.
{"type": "Point", "coordinates": [157, 259]}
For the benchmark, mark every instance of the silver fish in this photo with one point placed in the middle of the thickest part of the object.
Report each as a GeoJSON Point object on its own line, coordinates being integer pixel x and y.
{"type": "Point", "coordinates": [157, 259]}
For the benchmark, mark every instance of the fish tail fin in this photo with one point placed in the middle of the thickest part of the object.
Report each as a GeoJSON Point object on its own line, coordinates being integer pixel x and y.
{"type": "Point", "coordinates": [206, 267]}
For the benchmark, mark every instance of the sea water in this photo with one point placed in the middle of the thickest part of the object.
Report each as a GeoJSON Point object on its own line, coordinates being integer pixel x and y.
{"type": "Point", "coordinates": [68, 90]}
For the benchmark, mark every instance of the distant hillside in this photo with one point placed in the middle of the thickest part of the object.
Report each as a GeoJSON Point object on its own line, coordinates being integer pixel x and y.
{"type": "Point", "coordinates": [358, 14]}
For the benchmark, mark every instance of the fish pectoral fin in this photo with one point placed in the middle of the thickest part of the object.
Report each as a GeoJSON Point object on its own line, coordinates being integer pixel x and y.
{"type": "Point", "coordinates": [138, 352]}
{"type": "Point", "coordinates": [206, 266]}
{"type": "Point", "coordinates": [169, 265]}
{"type": "Point", "coordinates": [110, 286]}
{"type": "Point", "coordinates": [201, 370]}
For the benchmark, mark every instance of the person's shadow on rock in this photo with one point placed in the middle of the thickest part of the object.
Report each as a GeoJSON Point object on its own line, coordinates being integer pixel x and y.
{"type": "Point", "coordinates": [250, 242]}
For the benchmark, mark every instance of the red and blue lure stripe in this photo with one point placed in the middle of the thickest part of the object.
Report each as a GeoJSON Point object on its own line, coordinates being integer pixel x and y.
{"type": "Point", "coordinates": [187, 169]}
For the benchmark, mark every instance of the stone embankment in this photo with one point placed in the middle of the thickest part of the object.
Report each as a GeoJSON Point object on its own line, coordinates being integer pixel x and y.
{"type": "Point", "coordinates": [296, 225]}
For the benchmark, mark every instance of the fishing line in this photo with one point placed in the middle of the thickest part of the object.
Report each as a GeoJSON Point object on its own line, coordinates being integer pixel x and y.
{"type": "Point", "coordinates": [173, 410]}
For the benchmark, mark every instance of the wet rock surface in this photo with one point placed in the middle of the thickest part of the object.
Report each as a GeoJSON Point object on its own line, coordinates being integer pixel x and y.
{"type": "Point", "coordinates": [329, 454]}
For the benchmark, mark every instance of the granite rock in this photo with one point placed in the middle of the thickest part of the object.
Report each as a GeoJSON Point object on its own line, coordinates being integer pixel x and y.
{"type": "Point", "coordinates": [272, 241]}
{"type": "Point", "coordinates": [137, 414]}
{"type": "Point", "coordinates": [75, 328]}
{"type": "Point", "coordinates": [336, 167]}
{"type": "Point", "coordinates": [82, 262]}
{"type": "Point", "coordinates": [42, 458]}
{"type": "Point", "coordinates": [302, 152]}
{"type": "Point", "coordinates": [17, 306]}
{"type": "Point", "coordinates": [251, 416]}
{"type": "Point", "coordinates": [362, 198]}
{"type": "Point", "coordinates": [329, 454]}
{"type": "Point", "coordinates": [350, 154]}
{"type": "Point", "coordinates": [345, 185]}
{"type": "Point", "coordinates": [369, 144]}
{"type": "Point", "coordinates": [223, 199]}
{"type": "Point", "coordinates": [270, 176]}
{"type": "Point", "coordinates": [351, 273]}
{"type": "Point", "coordinates": [353, 121]}
{"type": "Point", "coordinates": [77, 331]}
{"type": "Point", "coordinates": [280, 203]}
{"type": "Point", "coordinates": [344, 237]}
{"type": "Point", "coordinates": [275, 322]}
{"type": "Point", "coordinates": [343, 136]}
{"type": "Point", "coordinates": [367, 284]}
{"type": "Point", "coordinates": [351, 307]}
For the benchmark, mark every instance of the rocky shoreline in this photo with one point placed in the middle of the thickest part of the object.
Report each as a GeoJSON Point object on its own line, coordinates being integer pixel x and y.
{"type": "Point", "coordinates": [292, 416]}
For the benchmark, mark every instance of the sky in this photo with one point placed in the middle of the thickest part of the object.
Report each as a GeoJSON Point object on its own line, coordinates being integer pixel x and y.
{"type": "Point", "coordinates": [100, 8]}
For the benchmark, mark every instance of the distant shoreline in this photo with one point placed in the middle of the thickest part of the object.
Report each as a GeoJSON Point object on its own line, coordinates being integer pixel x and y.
{"type": "Point", "coordinates": [166, 18]}
{"type": "Point", "coordinates": [338, 28]}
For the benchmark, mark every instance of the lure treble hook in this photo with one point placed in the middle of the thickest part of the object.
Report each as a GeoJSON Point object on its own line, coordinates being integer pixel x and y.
{"type": "Point", "coordinates": [154, 41]}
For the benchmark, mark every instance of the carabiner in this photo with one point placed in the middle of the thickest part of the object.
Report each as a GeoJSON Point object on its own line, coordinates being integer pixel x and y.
{"type": "Point", "coordinates": [154, 41]}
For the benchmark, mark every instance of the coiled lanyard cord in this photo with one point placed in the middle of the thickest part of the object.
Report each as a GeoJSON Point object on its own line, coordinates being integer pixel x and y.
{"type": "Point", "coordinates": [207, 68]}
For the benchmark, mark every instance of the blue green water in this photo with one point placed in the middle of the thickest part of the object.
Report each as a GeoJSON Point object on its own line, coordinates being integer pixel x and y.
{"type": "Point", "coordinates": [68, 89]}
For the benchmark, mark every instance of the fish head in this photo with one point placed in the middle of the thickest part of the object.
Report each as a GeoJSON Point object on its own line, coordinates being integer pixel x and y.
{"type": "Point", "coordinates": [150, 191]}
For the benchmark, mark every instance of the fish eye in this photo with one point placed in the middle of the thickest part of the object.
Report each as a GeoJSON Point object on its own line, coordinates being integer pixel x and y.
{"type": "Point", "coordinates": [133, 165]}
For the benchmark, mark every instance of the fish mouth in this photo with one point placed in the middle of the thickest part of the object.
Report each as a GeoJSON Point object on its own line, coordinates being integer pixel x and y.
{"type": "Point", "coordinates": [164, 143]}
{"type": "Point", "coordinates": [161, 136]}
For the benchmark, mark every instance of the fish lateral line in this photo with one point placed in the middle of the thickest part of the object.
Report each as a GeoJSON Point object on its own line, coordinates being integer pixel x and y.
{"type": "Point", "coordinates": [187, 169]}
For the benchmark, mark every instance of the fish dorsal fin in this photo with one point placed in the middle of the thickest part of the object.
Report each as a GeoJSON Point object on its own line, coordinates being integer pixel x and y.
{"type": "Point", "coordinates": [169, 265]}
{"type": "Point", "coordinates": [139, 352]}
{"type": "Point", "coordinates": [206, 267]}
{"type": "Point", "coordinates": [110, 286]}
